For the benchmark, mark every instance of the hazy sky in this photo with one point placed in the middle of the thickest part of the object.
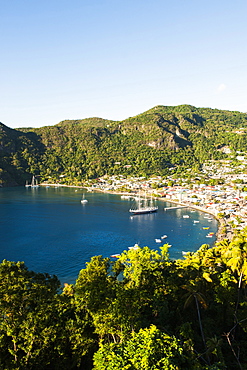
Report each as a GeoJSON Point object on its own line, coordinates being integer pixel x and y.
{"type": "Point", "coordinates": [74, 59]}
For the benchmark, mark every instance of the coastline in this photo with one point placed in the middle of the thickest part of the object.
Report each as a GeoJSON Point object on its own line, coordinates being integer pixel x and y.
{"type": "Point", "coordinates": [219, 235]}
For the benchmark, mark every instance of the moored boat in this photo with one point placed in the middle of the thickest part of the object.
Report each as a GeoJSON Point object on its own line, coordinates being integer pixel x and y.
{"type": "Point", "coordinates": [136, 246]}
{"type": "Point", "coordinates": [144, 206]}
{"type": "Point", "coordinates": [164, 237]}
{"type": "Point", "coordinates": [84, 201]}
{"type": "Point", "coordinates": [34, 183]}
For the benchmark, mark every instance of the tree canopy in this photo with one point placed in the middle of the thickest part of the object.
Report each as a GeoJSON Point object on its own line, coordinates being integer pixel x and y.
{"type": "Point", "coordinates": [141, 311]}
{"type": "Point", "coordinates": [148, 144]}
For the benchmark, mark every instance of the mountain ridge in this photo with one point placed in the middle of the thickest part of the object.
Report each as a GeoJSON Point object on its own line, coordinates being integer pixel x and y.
{"type": "Point", "coordinates": [148, 143]}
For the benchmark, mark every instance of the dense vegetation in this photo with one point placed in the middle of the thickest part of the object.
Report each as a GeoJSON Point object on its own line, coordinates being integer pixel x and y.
{"type": "Point", "coordinates": [144, 145]}
{"type": "Point", "coordinates": [142, 311]}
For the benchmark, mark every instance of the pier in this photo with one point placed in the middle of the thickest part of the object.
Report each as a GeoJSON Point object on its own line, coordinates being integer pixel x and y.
{"type": "Point", "coordinates": [177, 207]}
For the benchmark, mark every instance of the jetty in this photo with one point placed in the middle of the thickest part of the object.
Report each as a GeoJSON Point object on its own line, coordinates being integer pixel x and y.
{"type": "Point", "coordinates": [177, 207]}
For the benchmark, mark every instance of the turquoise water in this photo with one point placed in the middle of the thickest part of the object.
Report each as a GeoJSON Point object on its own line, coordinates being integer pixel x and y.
{"type": "Point", "coordinates": [51, 231]}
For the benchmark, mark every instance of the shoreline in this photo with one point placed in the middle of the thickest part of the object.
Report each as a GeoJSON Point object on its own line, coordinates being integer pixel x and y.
{"type": "Point", "coordinates": [219, 234]}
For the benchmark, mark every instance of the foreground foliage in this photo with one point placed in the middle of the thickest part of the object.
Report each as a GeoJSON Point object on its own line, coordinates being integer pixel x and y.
{"type": "Point", "coordinates": [142, 311]}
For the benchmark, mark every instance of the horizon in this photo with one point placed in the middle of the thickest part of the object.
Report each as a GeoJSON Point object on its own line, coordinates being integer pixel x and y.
{"type": "Point", "coordinates": [115, 60]}
{"type": "Point", "coordinates": [107, 119]}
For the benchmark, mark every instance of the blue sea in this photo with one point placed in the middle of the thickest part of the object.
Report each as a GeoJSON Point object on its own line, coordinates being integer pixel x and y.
{"type": "Point", "coordinates": [51, 231]}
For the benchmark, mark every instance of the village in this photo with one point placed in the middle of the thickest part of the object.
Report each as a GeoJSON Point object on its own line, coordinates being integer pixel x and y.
{"type": "Point", "coordinates": [226, 200]}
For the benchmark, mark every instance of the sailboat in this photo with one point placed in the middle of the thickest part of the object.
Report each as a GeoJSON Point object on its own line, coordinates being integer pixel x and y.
{"type": "Point", "coordinates": [34, 183]}
{"type": "Point", "coordinates": [27, 184]}
{"type": "Point", "coordinates": [143, 206]}
{"type": "Point", "coordinates": [83, 201]}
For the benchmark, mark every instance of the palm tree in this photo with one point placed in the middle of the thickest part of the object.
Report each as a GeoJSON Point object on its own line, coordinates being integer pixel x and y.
{"type": "Point", "coordinates": [236, 260]}
{"type": "Point", "coordinates": [194, 295]}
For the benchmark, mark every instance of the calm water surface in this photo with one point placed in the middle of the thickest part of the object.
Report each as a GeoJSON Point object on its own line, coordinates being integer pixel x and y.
{"type": "Point", "coordinates": [51, 231]}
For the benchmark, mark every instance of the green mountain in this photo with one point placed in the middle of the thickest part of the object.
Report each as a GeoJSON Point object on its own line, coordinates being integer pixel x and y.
{"type": "Point", "coordinates": [148, 144]}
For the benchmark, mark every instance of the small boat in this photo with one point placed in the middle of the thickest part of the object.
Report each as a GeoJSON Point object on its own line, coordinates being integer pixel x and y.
{"type": "Point", "coordinates": [136, 246]}
{"type": "Point", "coordinates": [196, 221]}
{"type": "Point", "coordinates": [158, 240]}
{"type": "Point", "coordinates": [186, 216]}
{"type": "Point", "coordinates": [184, 253]}
{"type": "Point", "coordinates": [205, 228]}
{"type": "Point", "coordinates": [84, 201]}
{"type": "Point", "coordinates": [34, 183]}
{"type": "Point", "coordinates": [115, 255]}
{"type": "Point", "coordinates": [164, 236]}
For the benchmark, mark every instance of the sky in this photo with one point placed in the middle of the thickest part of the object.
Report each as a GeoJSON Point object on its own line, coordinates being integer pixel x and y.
{"type": "Point", "coordinates": [114, 59]}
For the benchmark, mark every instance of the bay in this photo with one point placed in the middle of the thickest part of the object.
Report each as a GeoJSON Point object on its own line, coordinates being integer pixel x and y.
{"type": "Point", "coordinates": [51, 231]}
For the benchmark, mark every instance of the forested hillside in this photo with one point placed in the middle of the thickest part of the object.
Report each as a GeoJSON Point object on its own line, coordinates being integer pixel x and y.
{"type": "Point", "coordinates": [144, 145]}
{"type": "Point", "coordinates": [141, 312]}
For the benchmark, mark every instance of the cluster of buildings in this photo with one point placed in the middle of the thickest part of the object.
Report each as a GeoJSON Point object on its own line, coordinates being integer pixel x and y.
{"type": "Point", "coordinates": [227, 200]}
{"type": "Point", "coordinates": [220, 188]}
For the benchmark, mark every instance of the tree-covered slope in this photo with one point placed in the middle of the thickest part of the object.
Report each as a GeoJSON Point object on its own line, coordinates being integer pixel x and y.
{"type": "Point", "coordinates": [20, 154]}
{"type": "Point", "coordinates": [142, 311]}
{"type": "Point", "coordinates": [147, 144]}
